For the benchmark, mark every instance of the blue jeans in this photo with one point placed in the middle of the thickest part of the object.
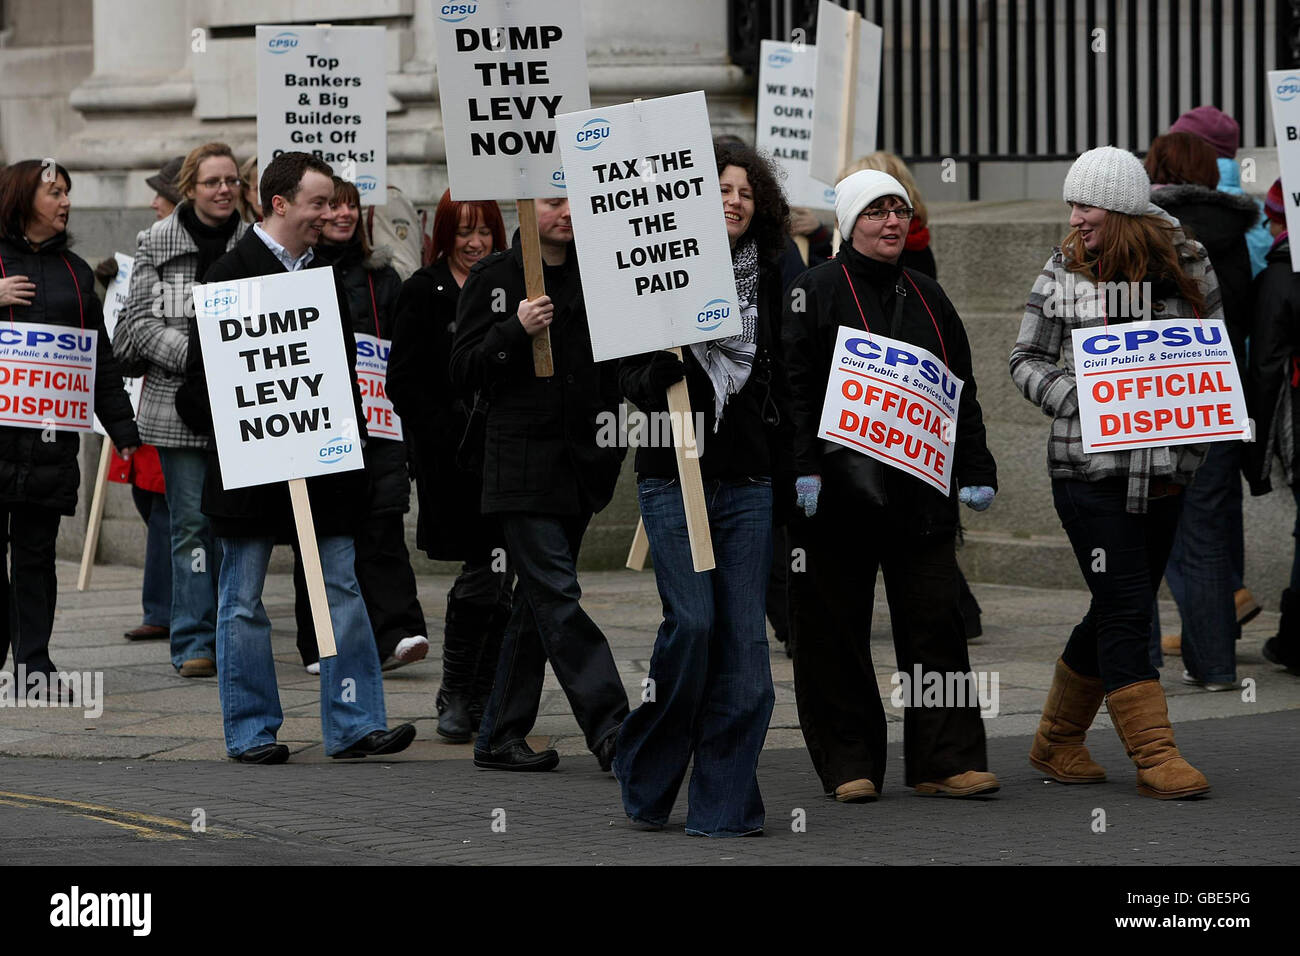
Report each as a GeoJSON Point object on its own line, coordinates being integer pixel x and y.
{"type": "Point", "coordinates": [156, 593]}
{"type": "Point", "coordinates": [1200, 568]}
{"type": "Point", "coordinates": [351, 689]}
{"type": "Point", "coordinates": [712, 679]}
{"type": "Point", "coordinates": [195, 558]}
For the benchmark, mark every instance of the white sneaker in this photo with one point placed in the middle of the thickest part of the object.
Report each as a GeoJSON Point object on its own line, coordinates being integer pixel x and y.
{"type": "Point", "coordinates": [409, 650]}
{"type": "Point", "coordinates": [313, 667]}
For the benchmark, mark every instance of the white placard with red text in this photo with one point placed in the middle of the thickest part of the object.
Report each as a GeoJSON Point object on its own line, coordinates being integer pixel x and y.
{"type": "Point", "coordinates": [894, 401]}
{"type": "Point", "coordinates": [372, 379]}
{"type": "Point", "coordinates": [47, 376]}
{"type": "Point", "coordinates": [1166, 382]}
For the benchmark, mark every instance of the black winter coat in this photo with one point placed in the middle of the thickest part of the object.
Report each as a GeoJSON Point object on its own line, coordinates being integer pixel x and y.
{"type": "Point", "coordinates": [1273, 379]}
{"type": "Point", "coordinates": [390, 484]}
{"type": "Point", "coordinates": [818, 303]}
{"type": "Point", "coordinates": [45, 473]}
{"type": "Point", "coordinates": [258, 511]}
{"type": "Point", "coordinates": [451, 526]}
{"type": "Point", "coordinates": [1219, 221]}
{"type": "Point", "coordinates": [540, 454]}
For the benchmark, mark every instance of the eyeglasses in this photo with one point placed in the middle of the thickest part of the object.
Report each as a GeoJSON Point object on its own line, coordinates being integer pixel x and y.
{"type": "Point", "coordinates": [879, 215]}
{"type": "Point", "coordinates": [215, 184]}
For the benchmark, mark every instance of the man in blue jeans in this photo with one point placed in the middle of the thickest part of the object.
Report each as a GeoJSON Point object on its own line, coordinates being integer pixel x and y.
{"type": "Point", "coordinates": [296, 189]}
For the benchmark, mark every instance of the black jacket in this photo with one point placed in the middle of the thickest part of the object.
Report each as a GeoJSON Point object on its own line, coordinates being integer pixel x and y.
{"type": "Point", "coordinates": [753, 438]}
{"type": "Point", "coordinates": [390, 485]}
{"type": "Point", "coordinates": [338, 502]}
{"type": "Point", "coordinates": [434, 415]}
{"type": "Point", "coordinates": [540, 454]}
{"type": "Point", "coordinates": [1219, 221]}
{"type": "Point", "coordinates": [34, 471]}
{"type": "Point", "coordinates": [818, 303]}
{"type": "Point", "coordinates": [1274, 373]}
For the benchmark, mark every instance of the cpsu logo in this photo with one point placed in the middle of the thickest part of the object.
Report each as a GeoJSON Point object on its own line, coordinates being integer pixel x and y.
{"type": "Point", "coordinates": [593, 133]}
{"type": "Point", "coordinates": [557, 179]}
{"type": "Point", "coordinates": [334, 451]}
{"type": "Point", "coordinates": [779, 59]}
{"type": "Point", "coordinates": [712, 315]}
{"type": "Point", "coordinates": [456, 12]}
{"type": "Point", "coordinates": [282, 42]}
{"type": "Point", "coordinates": [220, 302]}
{"type": "Point", "coordinates": [1287, 89]}
{"type": "Point", "coordinates": [366, 184]}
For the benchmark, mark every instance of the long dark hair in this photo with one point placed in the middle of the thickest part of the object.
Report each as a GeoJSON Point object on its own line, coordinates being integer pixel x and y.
{"type": "Point", "coordinates": [770, 224]}
{"type": "Point", "coordinates": [18, 185]}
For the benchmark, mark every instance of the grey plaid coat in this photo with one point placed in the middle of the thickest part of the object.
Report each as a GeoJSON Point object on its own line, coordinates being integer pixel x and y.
{"type": "Point", "coordinates": [156, 326]}
{"type": "Point", "coordinates": [1042, 366]}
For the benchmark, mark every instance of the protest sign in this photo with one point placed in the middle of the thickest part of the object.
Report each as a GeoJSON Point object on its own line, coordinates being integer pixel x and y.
{"type": "Point", "coordinates": [894, 401]}
{"type": "Point", "coordinates": [47, 376]}
{"type": "Point", "coordinates": [114, 301]}
{"type": "Point", "coordinates": [1167, 382]}
{"type": "Point", "coordinates": [324, 91]}
{"type": "Point", "coordinates": [647, 218]}
{"type": "Point", "coordinates": [786, 74]}
{"type": "Point", "coordinates": [505, 70]}
{"type": "Point", "coordinates": [848, 91]}
{"type": "Point", "coordinates": [372, 378]}
{"type": "Point", "coordinates": [1284, 95]}
{"type": "Point", "coordinates": [278, 377]}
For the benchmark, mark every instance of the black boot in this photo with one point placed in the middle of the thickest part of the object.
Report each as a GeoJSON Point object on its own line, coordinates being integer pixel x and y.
{"type": "Point", "coordinates": [1284, 649]}
{"type": "Point", "coordinates": [460, 644]}
{"type": "Point", "coordinates": [485, 670]}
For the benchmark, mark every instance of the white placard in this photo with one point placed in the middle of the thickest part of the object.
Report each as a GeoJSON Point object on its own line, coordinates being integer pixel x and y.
{"type": "Point", "coordinates": [278, 377]}
{"type": "Point", "coordinates": [506, 68]}
{"type": "Point", "coordinates": [894, 401]}
{"type": "Point", "coordinates": [324, 91]}
{"type": "Point", "coordinates": [1165, 382]}
{"type": "Point", "coordinates": [833, 26]}
{"type": "Point", "coordinates": [786, 74]}
{"type": "Point", "coordinates": [47, 376]}
{"type": "Point", "coordinates": [372, 379]}
{"type": "Point", "coordinates": [1284, 94]}
{"type": "Point", "coordinates": [647, 217]}
{"type": "Point", "coordinates": [114, 302]}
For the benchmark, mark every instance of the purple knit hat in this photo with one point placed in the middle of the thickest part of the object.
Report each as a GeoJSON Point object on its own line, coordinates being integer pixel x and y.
{"type": "Point", "coordinates": [1274, 204]}
{"type": "Point", "coordinates": [1212, 125]}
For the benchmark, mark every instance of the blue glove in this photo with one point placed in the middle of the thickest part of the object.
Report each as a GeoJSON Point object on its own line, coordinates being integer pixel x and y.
{"type": "Point", "coordinates": [976, 497]}
{"type": "Point", "coordinates": [806, 489]}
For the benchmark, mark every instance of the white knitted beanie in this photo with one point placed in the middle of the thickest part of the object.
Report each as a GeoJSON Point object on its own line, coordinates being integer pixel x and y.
{"type": "Point", "coordinates": [857, 191]}
{"type": "Point", "coordinates": [1109, 178]}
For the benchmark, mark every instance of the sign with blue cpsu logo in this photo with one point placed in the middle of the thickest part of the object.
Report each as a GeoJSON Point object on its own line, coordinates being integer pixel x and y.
{"type": "Point", "coordinates": [278, 378]}
{"type": "Point", "coordinates": [1284, 85]}
{"type": "Point", "coordinates": [456, 12]}
{"type": "Point", "coordinates": [591, 134]}
{"type": "Point", "coordinates": [324, 91]}
{"type": "Point", "coordinates": [372, 378]}
{"type": "Point", "coordinates": [714, 313]}
{"type": "Point", "coordinates": [784, 119]}
{"type": "Point", "coordinates": [47, 376]}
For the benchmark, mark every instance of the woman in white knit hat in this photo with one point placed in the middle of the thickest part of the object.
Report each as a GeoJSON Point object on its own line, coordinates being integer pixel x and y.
{"type": "Point", "coordinates": [1119, 509]}
{"type": "Point", "coordinates": [855, 516]}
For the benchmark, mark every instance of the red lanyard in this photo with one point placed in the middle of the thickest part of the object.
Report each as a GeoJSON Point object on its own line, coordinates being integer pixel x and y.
{"type": "Point", "coordinates": [847, 279]}
{"type": "Point", "coordinates": [81, 308]}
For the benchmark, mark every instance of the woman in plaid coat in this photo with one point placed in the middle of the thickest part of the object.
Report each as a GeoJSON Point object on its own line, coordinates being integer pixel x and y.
{"type": "Point", "coordinates": [1120, 509]}
{"type": "Point", "coordinates": [172, 255]}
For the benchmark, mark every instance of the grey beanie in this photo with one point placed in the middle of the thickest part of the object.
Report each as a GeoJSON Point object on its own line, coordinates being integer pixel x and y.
{"type": "Point", "coordinates": [1110, 178]}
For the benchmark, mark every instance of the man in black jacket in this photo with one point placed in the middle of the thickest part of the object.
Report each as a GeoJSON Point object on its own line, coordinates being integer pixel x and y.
{"type": "Point", "coordinates": [296, 189]}
{"type": "Point", "coordinates": [545, 475]}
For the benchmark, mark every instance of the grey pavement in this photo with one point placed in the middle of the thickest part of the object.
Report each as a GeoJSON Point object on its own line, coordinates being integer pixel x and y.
{"type": "Point", "coordinates": [124, 786]}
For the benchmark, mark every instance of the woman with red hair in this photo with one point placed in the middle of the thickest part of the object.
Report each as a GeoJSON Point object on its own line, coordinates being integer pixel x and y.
{"type": "Point", "coordinates": [434, 418]}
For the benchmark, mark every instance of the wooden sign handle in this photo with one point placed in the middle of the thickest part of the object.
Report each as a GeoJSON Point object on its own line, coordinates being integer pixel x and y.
{"type": "Point", "coordinates": [534, 282]}
{"type": "Point", "coordinates": [688, 468]}
{"type": "Point", "coordinates": [307, 547]}
{"type": "Point", "coordinates": [96, 516]}
{"type": "Point", "coordinates": [640, 549]}
{"type": "Point", "coordinates": [850, 91]}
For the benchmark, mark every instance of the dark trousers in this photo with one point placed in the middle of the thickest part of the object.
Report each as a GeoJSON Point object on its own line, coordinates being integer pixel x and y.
{"type": "Point", "coordinates": [779, 610]}
{"type": "Point", "coordinates": [387, 582]}
{"type": "Point", "coordinates": [840, 710]}
{"type": "Point", "coordinates": [29, 587]}
{"type": "Point", "coordinates": [156, 593]}
{"type": "Point", "coordinates": [548, 624]}
{"type": "Point", "coordinates": [1123, 558]}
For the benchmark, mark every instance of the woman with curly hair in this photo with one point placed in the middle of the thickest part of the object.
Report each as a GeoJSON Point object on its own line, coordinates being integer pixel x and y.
{"type": "Point", "coordinates": [712, 679]}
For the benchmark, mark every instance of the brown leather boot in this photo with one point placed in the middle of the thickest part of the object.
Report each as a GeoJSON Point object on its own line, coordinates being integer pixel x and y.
{"type": "Point", "coordinates": [1141, 719]}
{"type": "Point", "coordinates": [1058, 749]}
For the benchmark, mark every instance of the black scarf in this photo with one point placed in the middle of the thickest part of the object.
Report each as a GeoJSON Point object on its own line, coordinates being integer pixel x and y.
{"type": "Point", "coordinates": [344, 255]}
{"type": "Point", "coordinates": [211, 240]}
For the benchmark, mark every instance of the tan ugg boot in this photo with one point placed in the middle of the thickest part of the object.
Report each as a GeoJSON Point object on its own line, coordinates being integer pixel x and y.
{"type": "Point", "coordinates": [1141, 719]}
{"type": "Point", "coordinates": [1058, 749]}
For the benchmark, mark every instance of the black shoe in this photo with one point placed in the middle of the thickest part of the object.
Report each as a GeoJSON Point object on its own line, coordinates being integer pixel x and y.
{"type": "Point", "coordinates": [455, 724]}
{"type": "Point", "coordinates": [377, 743]}
{"type": "Point", "coordinates": [1275, 651]}
{"type": "Point", "coordinates": [605, 750]}
{"type": "Point", "coordinates": [266, 753]}
{"type": "Point", "coordinates": [517, 756]}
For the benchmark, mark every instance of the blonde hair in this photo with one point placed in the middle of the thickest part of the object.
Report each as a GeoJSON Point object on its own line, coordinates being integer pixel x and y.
{"type": "Point", "coordinates": [248, 173]}
{"type": "Point", "coordinates": [889, 163]}
{"type": "Point", "coordinates": [187, 178]}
